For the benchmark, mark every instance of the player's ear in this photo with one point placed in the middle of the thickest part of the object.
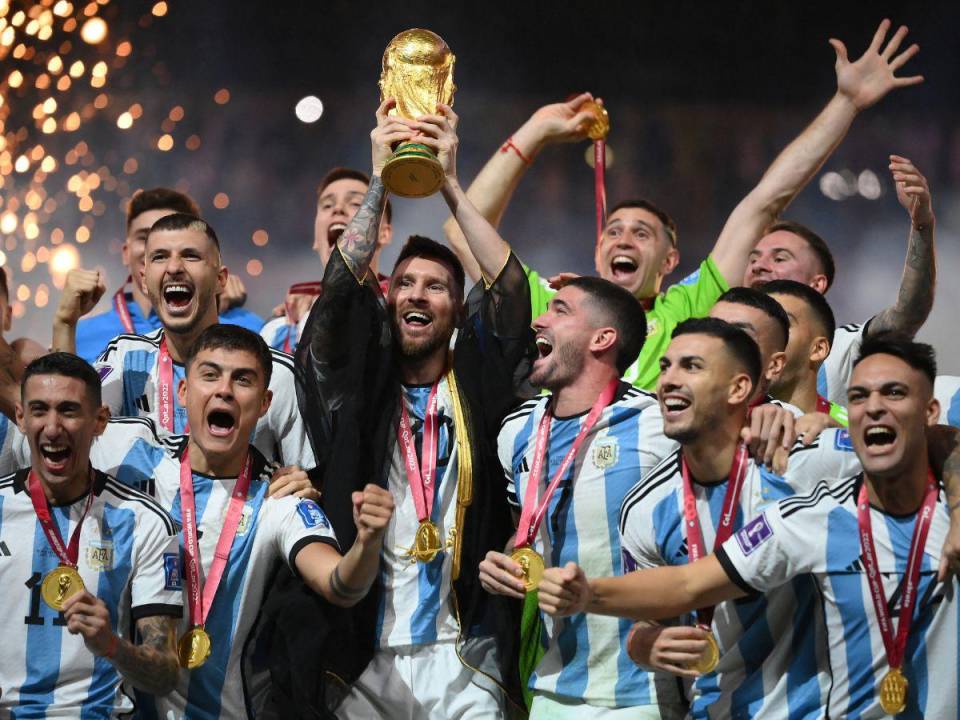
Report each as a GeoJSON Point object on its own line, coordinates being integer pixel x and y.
{"type": "Point", "coordinates": [265, 403]}
{"type": "Point", "coordinates": [182, 392]}
{"type": "Point", "coordinates": [819, 349]}
{"type": "Point", "coordinates": [741, 388]}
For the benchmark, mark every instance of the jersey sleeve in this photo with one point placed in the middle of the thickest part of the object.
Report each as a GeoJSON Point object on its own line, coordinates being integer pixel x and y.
{"type": "Point", "coordinates": [287, 423]}
{"type": "Point", "coordinates": [654, 446]}
{"type": "Point", "coordinates": [295, 523]}
{"type": "Point", "coordinates": [14, 448]}
{"type": "Point", "coordinates": [637, 536]}
{"type": "Point", "coordinates": [109, 367]}
{"type": "Point", "coordinates": [93, 334]}
{"type": "Point", "coordinates": [829, 458]}
{"type": "Point", "coordinates": [694, 295]}
{"type": "Point", "coordinates": [156, 587]}
{"type": "Point", "coordinates": [540, 292]}
{"type": "Point", "coordinates": [783, 541]}
{"type": "Point", "coordinates": [505, 454]}
{"type": "Point", "coordinates": [834, 375]}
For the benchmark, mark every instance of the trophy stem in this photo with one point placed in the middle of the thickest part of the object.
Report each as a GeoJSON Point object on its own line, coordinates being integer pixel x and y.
{"type": "Point", "coordinates": [413, 171]}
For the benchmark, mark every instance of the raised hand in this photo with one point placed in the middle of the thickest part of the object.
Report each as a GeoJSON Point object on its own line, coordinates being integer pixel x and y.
{"type": "Point", "coordinates": [89, 617]}
{"type": "Point", "coordinates": [439, 133]}
{"type": "Point", "coordinates": [389, 131]}
{"type": "Point", "coordinates": [561, 122]}
{"type": "Point", "coordinates": [868, 79]}
{"type": "Point", "coordinates": [501, 575]}
{"type": "Point", "coordinates": [234, 294]}
{"type": "Point", "coordinates": [913, 192]}
{"type": "Point", "coordinates": [372, 510]}
{"type": "Point", "coordinates": [291, 480]}
{"type": "Point", "coordinates": [82, 290]}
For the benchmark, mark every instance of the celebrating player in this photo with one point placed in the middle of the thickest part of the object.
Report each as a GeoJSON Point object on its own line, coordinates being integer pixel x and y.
{"type": "Point", "coordinates": [86, 560]}
{"type": "Point", "coordinates": [870, 543]}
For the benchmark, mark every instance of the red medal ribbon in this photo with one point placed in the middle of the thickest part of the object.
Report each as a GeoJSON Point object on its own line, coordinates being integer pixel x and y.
{"type": "Point", "coordinates": [120, 305]}
{"type": "Point", "coordinates": [600, 183]}
{"type": "Point", "coordinates": [823, 405]}
{"type": "Point", "coordinates": [895, 647]}
{"type": "Point", "coordinates": [695, 543]}
{"type": "Point", "coordinates": [67, 555]}
{"type": "Point", "coordinates": [312, 289]}
{"type": "Point", "coordinates": [421, 475]}
{"type": "Point", "coordinates": [532, 512]}
{"type": "Point", "coordinates": [165, 387]}
{"type": "Point", "coordinates": [200, 594]}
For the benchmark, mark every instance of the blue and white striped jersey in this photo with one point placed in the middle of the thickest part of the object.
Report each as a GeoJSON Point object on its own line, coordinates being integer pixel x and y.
{"type": "Point", "coordinates": [833, 377]}
{"type": "Point", "coordinates": [416, 607]}
{"type": "Point", "coordinates": [128, 557]}
{"type": "Point", "coordinates": [585, 658]}
{"type": "Point", "coordinates": [276, 331]}
{"type": "Point", "coordinates": [947, 391]}
{"type": "Point", "coordinates": [770, 665]}
{"type": "Point", "coordinates": [817, 535]}
{"type": "Point", "coordinates": [128, 370]}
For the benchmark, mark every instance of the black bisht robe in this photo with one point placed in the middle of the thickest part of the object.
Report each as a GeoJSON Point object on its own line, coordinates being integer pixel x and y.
{"type": "Point", "coordinates": [349, 392]}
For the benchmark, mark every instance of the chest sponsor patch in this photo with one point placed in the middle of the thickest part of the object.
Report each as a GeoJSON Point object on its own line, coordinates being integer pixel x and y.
{"type": "Point", "coordinates": [753, 534]}
{"type": "Point", "coordinates": [171, 572]}
{"type": "Point", "coordinates": [100, 555]}
{"type": "Point", "coordinates": [842, 441]}
{"type": "Point", "coordinates": [312, 515]}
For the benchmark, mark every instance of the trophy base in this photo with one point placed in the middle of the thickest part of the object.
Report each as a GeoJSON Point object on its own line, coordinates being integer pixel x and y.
{"type": "Point", "coordinates": [413, 171]}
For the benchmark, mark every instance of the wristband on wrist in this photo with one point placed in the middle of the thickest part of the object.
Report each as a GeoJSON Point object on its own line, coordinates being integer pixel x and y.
{"type": "Point", "coordinates": [114, 642]}
{"type": "Point", "coordinates": [509, 145]}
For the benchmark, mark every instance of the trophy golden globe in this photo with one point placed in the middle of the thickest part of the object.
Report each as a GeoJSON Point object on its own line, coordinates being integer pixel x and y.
{"type": "Point", "coordinates": [418, 74]}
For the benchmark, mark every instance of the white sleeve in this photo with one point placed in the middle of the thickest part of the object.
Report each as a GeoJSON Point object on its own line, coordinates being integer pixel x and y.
{"type": "Point", "coordinates": [830, 458]}
{"type": "Point", "coordinates": [838, 367]}
{"type": "Point", "coordinates": [156, 587]}
{"type": "Point", "coordinates": [109, 367]}
{"type": "Point", "coordinates": [505, 453]}
{"type": "Point", "coordinates": [14, 448]}
{"type": "Point", "coordinates": [286, 424]}
{"type": "Point", "coordinates": [637, 535]}
{"type": "Point", "coordinates": [947, 392]}
{"type": "Point", "coordinates": [653, 445]}
{"type": "Point", "coordinates": [772, 549]}
{"type": "Point", "coordinates": [294, 523]}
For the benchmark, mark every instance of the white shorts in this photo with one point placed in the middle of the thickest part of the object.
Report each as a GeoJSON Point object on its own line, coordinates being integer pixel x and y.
{"type": "Point", "coordinates": [554, 707]}
{"type": "Point", "coordinates": [420, 682]}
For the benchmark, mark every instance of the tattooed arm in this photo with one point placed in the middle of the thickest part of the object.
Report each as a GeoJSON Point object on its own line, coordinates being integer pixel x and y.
{"type": "Point", "coordinates": [151, 665]}
{"type": "Point", "coordinates": [345, 580]}
{"type": "Point", "coordinates": [359, 241]}
{"type": "Point", "coordinates": [915, 298]}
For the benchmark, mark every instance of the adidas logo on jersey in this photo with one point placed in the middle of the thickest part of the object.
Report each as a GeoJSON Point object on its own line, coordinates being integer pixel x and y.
{"type": "Point", "coordinates": [4, 550]}
{"type": "Point", "coordinates": [143, 403]}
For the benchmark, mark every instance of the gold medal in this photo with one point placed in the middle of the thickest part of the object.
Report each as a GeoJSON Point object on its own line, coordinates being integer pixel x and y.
{"type": "Point", "coordinates": [531, 562]}
{"type": "Point", "coordinates": [893, 692]}
{"type": "Point", "coordinates": [61, 583]}
{"type": "Point", "coordinates": [193, 648]}
{"type": "Point", "coordinates": [427, 542]}
{"type": "Point", "coordinates": [709, 658]}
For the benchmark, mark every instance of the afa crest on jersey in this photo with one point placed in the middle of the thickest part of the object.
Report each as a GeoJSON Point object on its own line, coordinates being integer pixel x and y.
{"type": "Point", "coordinates": [606, 453]}
{"type": "Point", "coordinates": [100, 555]}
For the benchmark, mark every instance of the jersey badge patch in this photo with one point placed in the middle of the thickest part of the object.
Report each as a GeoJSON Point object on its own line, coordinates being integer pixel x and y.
{"type": "Point", "coordinates": [100, 555]}
{"type": "Point", "coordinates": [244, 525]}
{"type": "Point", "coordinates": [104, 371]}
{"type": "Point", "coordinates": [606, 453]}
{"type": "Point", "coordinates": [653, 325]}
{"type": "Point", "coordinates": [312, 515]}
{"type": "Point", "coordinates": [754, 534]}
{"type": "Point", "coordinates": [171, 571]}
{"type": "Point", "coordinates": [842, 441]}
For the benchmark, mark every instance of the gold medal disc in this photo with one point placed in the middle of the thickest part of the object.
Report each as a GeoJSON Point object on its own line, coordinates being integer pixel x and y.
{"type": "Point", "coordinates": [531, 562]}
{"type": "Point", "coordinates": [193, 648]}
{"type": "Point", "coordinates": [60, 584]}
{"type": "Point", "coordinates": [893, 692]}
{"type": "Point", "coordinates": [427, 542]}
{"type": "Point", "coordinates": [709, 658]}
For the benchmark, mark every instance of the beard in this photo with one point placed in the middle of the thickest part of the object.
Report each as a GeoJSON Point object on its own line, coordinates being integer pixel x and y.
{"type": "Point", "coordinates": [566, 364]}
{"type": "Point", "coordinates": [414, 349]}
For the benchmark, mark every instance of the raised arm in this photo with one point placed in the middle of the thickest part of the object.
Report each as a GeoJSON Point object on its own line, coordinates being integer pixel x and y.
{"type": "Point", "coordinates": [81, 292]}
{"type": "Point", "coordinates": [860, 84]}
{"type": "Point", "coordinates": [491, 190]}
{"type": "Point", "coordinates": [915, 298]}
{"type": "Point", "coordinates": [345, 580]}
{"type": "Point", "coordinates": [653, 594]}
{"type": "Point", "coordinates": [359, 241]}
{"type": "Point", "coordinates": [439, 132]}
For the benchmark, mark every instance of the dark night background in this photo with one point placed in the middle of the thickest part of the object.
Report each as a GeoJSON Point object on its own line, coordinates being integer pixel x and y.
{"type": "Point", "coordinates": [702, 96]}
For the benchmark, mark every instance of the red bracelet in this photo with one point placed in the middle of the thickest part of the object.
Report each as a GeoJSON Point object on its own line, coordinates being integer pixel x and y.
{"type": "Point", "coordinates": [508, 145]}
{"type": "Point", "coordinates": [113, 647]}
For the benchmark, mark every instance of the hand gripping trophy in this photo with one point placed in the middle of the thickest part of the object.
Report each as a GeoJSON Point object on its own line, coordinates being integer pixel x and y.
{"type": "Point", "coordinates": [418, 74]}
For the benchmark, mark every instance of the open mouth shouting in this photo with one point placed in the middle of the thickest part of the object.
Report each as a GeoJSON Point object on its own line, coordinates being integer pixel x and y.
{"type": "Point", "coordinates": [334, 232]}
{"type": "Point", "coordinates": [177, 297]}
{"type": "Point", "coordinates": [416, 320]}
{"type": "Point", "coordinates": [673, 405]}
{"type": "Point", "coordinates": [221, 422]}
{"type": "Point", "coordinates": [623, 268]}
{"type": "Point", "coordinates": [544, 346]}
{"type": "Point", "coordinates": [879, 438]}
{"type": "Point", "coordinates": [56, 457]}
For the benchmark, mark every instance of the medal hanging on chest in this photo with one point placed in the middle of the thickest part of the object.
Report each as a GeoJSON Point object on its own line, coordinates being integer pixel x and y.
{"type": "Point", "coordinates": [421, 476]}
{"type": "Point", "coordinates": [533, 511]}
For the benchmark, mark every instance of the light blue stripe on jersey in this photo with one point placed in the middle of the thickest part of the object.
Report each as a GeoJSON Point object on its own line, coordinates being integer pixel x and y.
{"type": "Point", "coordinates": [573, 640]}
{"type": "Point", "coordinates": [822, 388]}
{"type": "Point", "coordinates": [138, 367]}
{"type": "Point", "coordinates": [137, 469]}
{"type": "Point", "coordinates": [119, 525]}
{"type": "Point", "coordinates": [44, 639]}
{"type": "Point", "coordinates": [281, 335]}
{"type": "Point", "coordinates": [4, 428]}
{"type": "Point", "coordinates": [953, 413]}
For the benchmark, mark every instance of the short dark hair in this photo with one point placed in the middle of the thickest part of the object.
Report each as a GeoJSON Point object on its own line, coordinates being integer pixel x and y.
{"type": "Point", "coordinates": [761, 301]}
{"type": "Point", "coordinates": [739, 344]}
{"type": "Point", "coordinates": [182, 221]}
{"type": "Point", "coordinates": [237, 338]}
{"type": "Point", "coordinates": [814, 241]}
{"type": "Point", "coordinates": [668, 224]}
{"type": "Point", "coordinates": [917, 355]}
{"type": "Point", "coordinates": [622, 311]}
{"type": "Point", "coordinates": [345, 173]}
{"type": "Point", "coordinates": [424, 247]}
{"type": "Point", "coordinates": [67, 365]}
{"type": "Point", "coordinates": [816, 302]}
{"type": "Point", "coordinates": [160, 198]}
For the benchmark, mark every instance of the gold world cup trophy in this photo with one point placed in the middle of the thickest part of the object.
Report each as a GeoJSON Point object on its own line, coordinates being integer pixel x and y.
{"type": "Point", "coordinates": [418, 74]}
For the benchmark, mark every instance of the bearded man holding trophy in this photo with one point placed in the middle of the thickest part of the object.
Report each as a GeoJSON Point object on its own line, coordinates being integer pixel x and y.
{"type": "Point", "coordinates": [387, 401]}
